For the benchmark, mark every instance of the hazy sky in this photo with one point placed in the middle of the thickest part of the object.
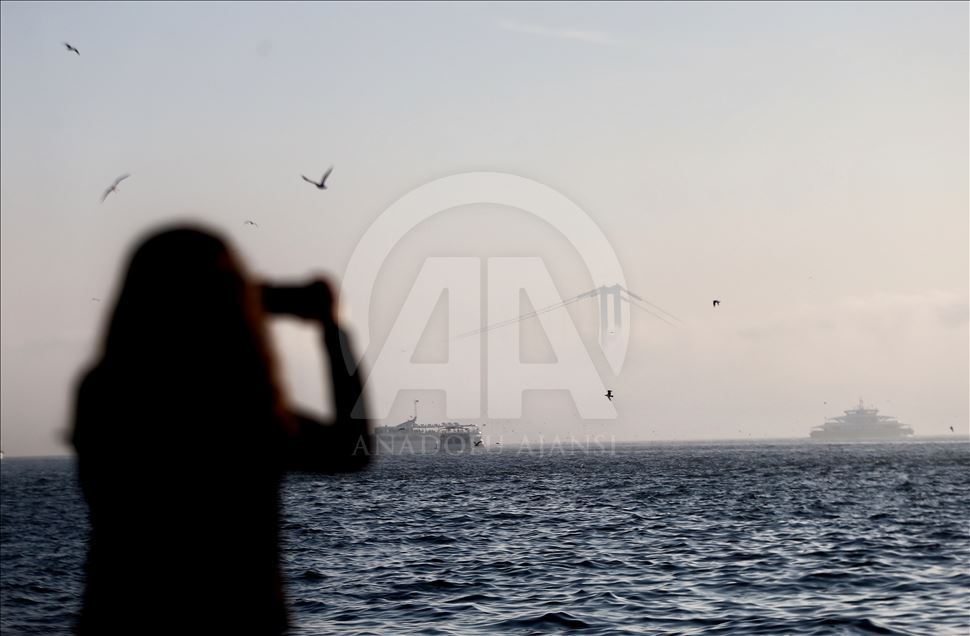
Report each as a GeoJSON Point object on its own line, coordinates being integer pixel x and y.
{"type": "Point", "coordinates": [807, 164]}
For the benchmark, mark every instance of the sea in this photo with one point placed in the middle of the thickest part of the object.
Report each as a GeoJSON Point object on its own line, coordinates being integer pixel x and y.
{"type": "Point", "coordinates": [716, 538]}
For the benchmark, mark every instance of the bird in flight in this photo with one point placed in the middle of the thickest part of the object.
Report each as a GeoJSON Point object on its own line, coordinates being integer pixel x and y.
{"type": "Point", "coordinates": [71, 48]}
{"type": "Point", "coordinates": [717, 302]}
{"type": "Point", "coordinates": [253, 223]}
{"type": "Point", "coordinates": [323, 182]}
{"type": "Point", "coordinates": [97, 300]}
{"type": "Point", "coordinates": [609, 394]}
{"type": "Point", "coordinates": [951, 430]}
{"type": "Point", "coordinates": [114, 186]}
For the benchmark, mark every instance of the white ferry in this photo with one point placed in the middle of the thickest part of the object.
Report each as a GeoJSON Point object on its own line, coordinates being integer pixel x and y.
{"type": "Point", "coordinates": [410, 438]}
{"type": "Point", "coordinates": [861, 423]}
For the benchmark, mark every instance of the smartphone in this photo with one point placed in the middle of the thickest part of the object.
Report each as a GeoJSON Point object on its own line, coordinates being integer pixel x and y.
{"type": "Point", "coordinates": [284, 299]}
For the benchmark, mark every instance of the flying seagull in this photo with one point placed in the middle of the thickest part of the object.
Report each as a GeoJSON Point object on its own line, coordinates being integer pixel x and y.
{"type": "Point", "coordinates": [609, 394]}
{"type": "Point", "coordinates": [71, 48]}
{"type": "Point", "coordinates": [253, 223]}
{"type": "Point", "coordinates": [97, 300]}
{"type": "Point", "coordinates": [951, 430]}
{"type": "Point", "coordinates": [717, 302]}
{"type": "Point", "coordinates": [114, 186]}
{"type": "Point", "coordinates": [323, 182]}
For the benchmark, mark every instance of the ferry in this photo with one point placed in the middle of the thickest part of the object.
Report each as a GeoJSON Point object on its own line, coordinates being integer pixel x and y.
{"type": "Point", "coordinates": [410, 437]}
{"type": "Point", "coordinates": [861, 424]}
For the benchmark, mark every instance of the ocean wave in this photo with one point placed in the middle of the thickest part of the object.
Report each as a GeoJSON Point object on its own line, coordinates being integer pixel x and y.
{"type": "Point", "coordinates": [674, 540]}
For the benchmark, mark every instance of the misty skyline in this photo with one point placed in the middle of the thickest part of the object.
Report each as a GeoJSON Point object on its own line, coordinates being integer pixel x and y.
{"type": "Point", "coordinates": [805, 164]}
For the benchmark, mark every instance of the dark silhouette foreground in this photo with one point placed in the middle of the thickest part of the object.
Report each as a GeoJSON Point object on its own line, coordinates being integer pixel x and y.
{"type": "Point", "coordinates": [182, 438]}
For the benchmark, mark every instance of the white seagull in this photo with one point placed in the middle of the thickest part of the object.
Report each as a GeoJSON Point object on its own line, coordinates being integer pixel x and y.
{"type": "Point", "coordinates": [323, 182]}
{"type": "Point", "coordinates": [114, 186]}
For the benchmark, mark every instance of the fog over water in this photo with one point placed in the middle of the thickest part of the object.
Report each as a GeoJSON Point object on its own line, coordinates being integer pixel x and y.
{"type": "Point", "coordinates": [807, 165]}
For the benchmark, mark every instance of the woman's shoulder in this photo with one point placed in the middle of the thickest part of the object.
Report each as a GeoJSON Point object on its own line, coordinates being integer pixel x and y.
{"type": "Point", "coordinates": [92, 389]}
{"type": "Point", "coordinates": [91, 380]}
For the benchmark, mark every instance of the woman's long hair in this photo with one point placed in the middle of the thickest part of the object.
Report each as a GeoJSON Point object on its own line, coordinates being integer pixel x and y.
{"type": "Point", "coordinates": [179, 430]}
{"type": "Point", "coordinates": [188, 333]}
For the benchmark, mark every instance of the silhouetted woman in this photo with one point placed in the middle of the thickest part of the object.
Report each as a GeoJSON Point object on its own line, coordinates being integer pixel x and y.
{"type": "Point", "coordinates": [182, 437]}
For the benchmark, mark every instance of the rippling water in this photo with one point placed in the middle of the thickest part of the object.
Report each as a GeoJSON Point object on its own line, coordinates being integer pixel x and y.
{"type": "Point", "coordinates": [700, 539]}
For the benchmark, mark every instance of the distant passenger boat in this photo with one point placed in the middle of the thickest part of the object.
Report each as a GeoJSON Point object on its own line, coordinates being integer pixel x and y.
{"type": "Point", "coordinates": [409, 437]}
{"type": "Point", "coordinates": [861, 424]}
